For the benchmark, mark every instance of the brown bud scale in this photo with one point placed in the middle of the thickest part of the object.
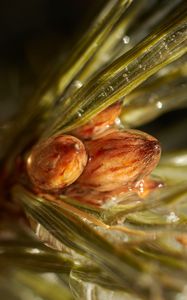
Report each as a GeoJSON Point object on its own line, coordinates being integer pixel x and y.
{"type": "Point", "coordinates": [99, 123]}
{"type": "Point", "coordinates": [119, 159]}
{"type": "Point", "coordinates": [56, 162]}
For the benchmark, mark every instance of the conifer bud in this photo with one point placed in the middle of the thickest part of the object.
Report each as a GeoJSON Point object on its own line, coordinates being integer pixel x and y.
{"type": "Point", "coordinates": [119, 159]}
{"type": "Point", "coordinates": [99, 123]}
{"type": "Point", "coordinates": [56, 162]}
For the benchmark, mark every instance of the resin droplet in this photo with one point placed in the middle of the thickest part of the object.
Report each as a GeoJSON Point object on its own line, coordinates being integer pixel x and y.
{"type": "Point", "coordinates": [99, 123]}
{"type": "Point", "coordinates": [56, 162]}
{"type": "Point", "coordinates": [119, 159]}
{"type": "Point", "coordinates": [147, 185]}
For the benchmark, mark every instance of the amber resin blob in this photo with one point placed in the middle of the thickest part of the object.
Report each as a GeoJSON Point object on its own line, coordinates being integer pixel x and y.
{"type": "Point", "coordinates": [56, 162]}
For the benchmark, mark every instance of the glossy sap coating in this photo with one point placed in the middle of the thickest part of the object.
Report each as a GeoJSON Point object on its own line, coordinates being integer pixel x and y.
{"type": "Point", "coordinates": [56, 162]}
{"type": "Point", "coordinates": [119, 159]}
{"type": "Point", "coordinates": [94, 197]}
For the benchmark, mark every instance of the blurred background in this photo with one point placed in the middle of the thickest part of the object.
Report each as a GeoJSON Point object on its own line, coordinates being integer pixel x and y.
{"type": "Point", "coordinates": [33, 33]}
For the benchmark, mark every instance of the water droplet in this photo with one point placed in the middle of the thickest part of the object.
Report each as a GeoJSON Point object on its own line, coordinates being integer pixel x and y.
{"type": "Point", "coordinates": [126, 39]}
{"type": "Point", "coordinates": [141, 186]}
{"type": "Point", "coordinates": [79, 114]}
{"type": "Point", "coordinates": [159, 104]}
{"type": "Point", "coordinates": [165, 45]}
{"type": "Point", "coordinates": [126, 69]}
{"type": "Point", "coordinates": [117, 121]}
{"type": "Point", "coordinates": [110, 88]}
{"type": "Point", "coordinates": [126, 77]}
{"type": "Point", "coordinates": [102, 94]}
{"type": "Point", "coordinates": [32, 251]}
{"type": "Point", "coordinates": [172, 218]}
{"type": "Point", "coordinates": [143, 67]}
{"type": "Point", "coordinates": [77, 84]}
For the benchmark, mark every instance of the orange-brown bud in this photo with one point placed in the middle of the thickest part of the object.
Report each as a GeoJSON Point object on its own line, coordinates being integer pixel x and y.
{"type": "Point", "coordinates": [99, 123]}
{"type": "Point", "coordinates": [119, 159]}
{"type": "Point", "coordinates": [56, 162]}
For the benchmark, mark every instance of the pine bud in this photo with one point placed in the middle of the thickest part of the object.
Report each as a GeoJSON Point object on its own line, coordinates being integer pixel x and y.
{"type": "Point", "coordinates": [119, 159]}
{"type": "Point", "coordinates": [56, 162]}
{"type": "Point", "coordinates": [99, 123]}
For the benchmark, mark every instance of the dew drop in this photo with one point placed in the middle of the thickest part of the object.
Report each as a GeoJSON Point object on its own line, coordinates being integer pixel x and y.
{"type": "Point", "coordinates": [117, 122]}
{"type": "Point", "coordinates": [172, 218]}
{"type": "Point", "coordinates": [79, 114]}
{"type": "Point", "coordinates": [102, 95]}
{"type": "Point", "coordinates": [126, 77]}
{"type": "Point", "coordinates": [78, 84]}
{"type": "Point", "coordinates": [126, 69]}
{"type": "Point", "coordinates": [159, 104]}
{"type": "Point", "coordinates": [110, 88]}
{"type": "Point", "coordinates": [165, 45]}
{"type": "Point", "coordinates": [126, 39]}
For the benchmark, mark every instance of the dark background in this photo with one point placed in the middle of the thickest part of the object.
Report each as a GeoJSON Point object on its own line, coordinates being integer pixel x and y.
{"type": "Point", "coordinates": [32, 33]}
{"type": "Point", "coordinates": [22, 20]}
